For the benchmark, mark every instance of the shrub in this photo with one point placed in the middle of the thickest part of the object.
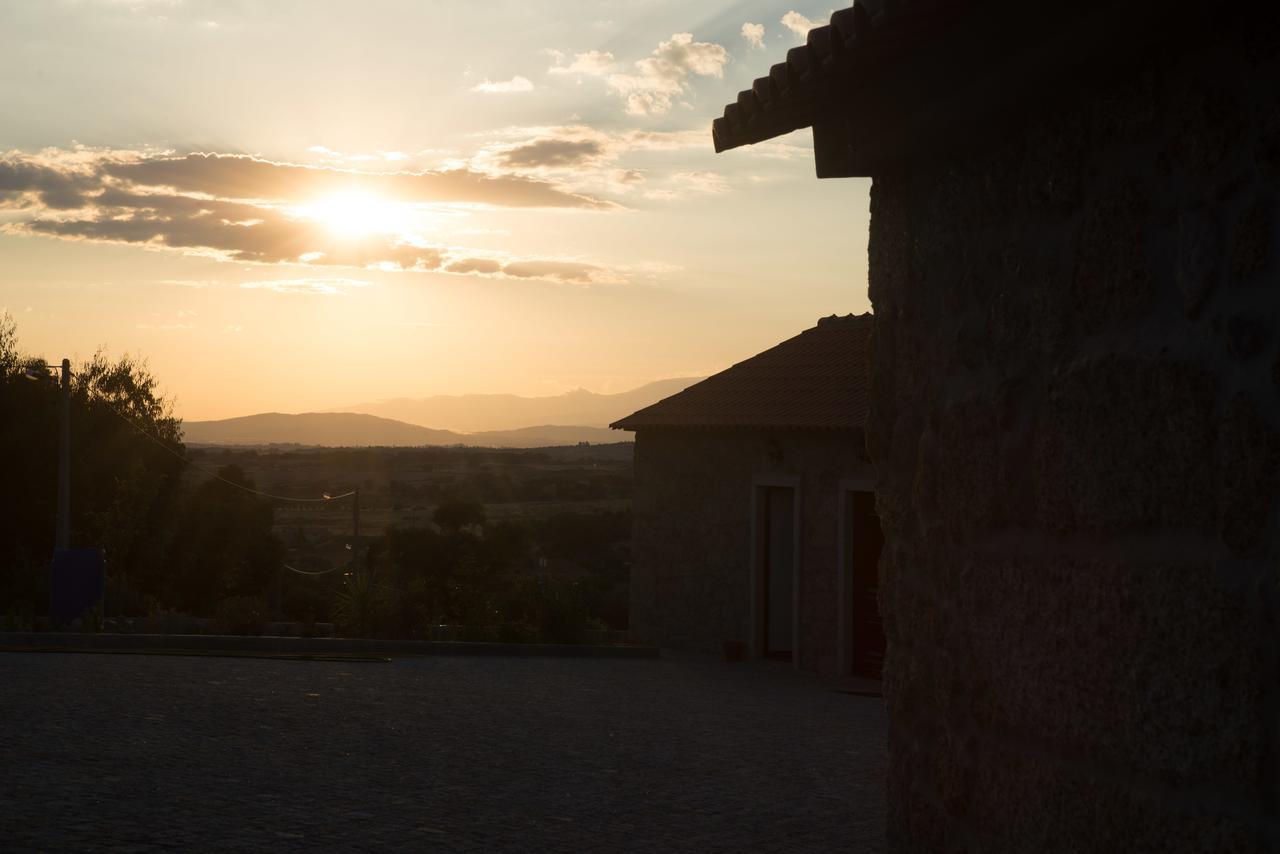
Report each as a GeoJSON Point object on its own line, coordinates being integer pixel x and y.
{"type": "Point", "coordinates": [518, 633]}
{"type": "Point", "coordinates": [123, 599]}
{"type": "Point", "coordinates": [363, 605]}
{"type": "Point", "coordinates": [240, 615]}
{"type": "Point", "coordinates": [564, 613]}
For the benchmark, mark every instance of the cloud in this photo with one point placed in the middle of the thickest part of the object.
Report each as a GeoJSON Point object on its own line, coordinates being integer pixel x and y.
{"type": "Point", "coordinates": [486, 266]}
{"type": "Point", "coordinates": [242, 177]}
{"type": "Point", "coordinates": [754, 34]}
{"type": "Point", "coordinates": [550, 152]}
{"type": "Point", "coordinates": [666, 140]}
{"type": "Point", "coordinates": [583, 157]}
{"type": "Point", "coordinates": [53, 188]}
{"type": "Point", "coordinates": [597, 162]}
{"type": "Point", "coordinates": [568, 149]}
{"type": "Point", "coordinates": [594, 63]}
{"type": "Point", "coordinates": [664, 75]}
{"type": "Point", "coordinates": [324, 287]}
{"type": "Point", "coordinates": [231, 230]}
{"type": "Point", "coordinates": [245, 209]}
{"type": "Point", "coordinates": [515, 84]}
{"type": "Point", "coordinates": [566, 271]}
{"type": "Point", "coordinates": [610, 144]}
{"type": "Point", "coordinates": [562, 271]}
{"type": "Point", "coordinates": [799, 24]}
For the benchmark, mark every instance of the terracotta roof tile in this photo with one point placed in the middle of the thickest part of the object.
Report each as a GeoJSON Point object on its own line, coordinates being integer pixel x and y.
{"type": "Point", "coordinates": [858, 39]}
{"type": "Point", "coordinates": [884, 73]}
{"type": "Point", "coordinates": [820, 379]}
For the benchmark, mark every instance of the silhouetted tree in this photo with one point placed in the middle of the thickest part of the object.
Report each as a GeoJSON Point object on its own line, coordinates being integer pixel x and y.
{"type": "Point", "coordinates": [454, 515]}
{"type": "Point", "coordinates": [125, 467]}
{"type": "Point", "coordinates": [170, 536]}
{"type": "Point", "coordinates": [222, 545]}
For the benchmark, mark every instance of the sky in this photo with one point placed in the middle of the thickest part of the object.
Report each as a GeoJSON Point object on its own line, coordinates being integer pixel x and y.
{"type": "Point", "coordinates": [296, 206]}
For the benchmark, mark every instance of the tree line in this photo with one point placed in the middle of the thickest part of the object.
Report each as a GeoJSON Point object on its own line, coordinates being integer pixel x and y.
{"type": "Point", "coordinates": [184, 540]}
{"type": "Point", "coordinates": [171, 540]}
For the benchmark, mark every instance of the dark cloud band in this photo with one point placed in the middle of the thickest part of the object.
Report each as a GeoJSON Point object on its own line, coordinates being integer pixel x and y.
{"type": "Point", "coordinates": [230, 176]}
{"type": "Point", "coordinates": [246, 209]}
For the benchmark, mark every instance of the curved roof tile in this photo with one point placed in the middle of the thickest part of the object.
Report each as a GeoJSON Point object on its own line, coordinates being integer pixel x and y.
{"type": "Point", "coordinates": [820, 379]}
{"type": "Point", "coordinates": [853, 43]}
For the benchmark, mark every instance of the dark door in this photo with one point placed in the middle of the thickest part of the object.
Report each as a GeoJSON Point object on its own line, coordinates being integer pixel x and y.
{"type": "Point", "coordinates": [865, 540]}
{"type": "Point", "coordinates": [778, 564]}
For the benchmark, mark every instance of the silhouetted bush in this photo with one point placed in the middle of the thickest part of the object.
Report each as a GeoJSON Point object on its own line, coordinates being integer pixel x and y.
{"type": "Point", "coordinates": [240, 615]}
{"type": "Point", "coordinates": [364, 605]}
{"type": "Point", "coordinates": [564, 613]}
{"type": "Point", "coordinates": [556, 607]}
{"type": "Point", "coordinates": [122, 598]}
{"type": "Point", "coordinates": [453, 516]}
{"type": "Point", "coordinates": [518, 633]}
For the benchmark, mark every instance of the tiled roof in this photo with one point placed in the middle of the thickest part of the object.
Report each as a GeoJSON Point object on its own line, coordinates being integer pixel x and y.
{"type": "Point", "coordinates": [836, 58]}
{"type": "Point", "coordinates": [820, 379]}
{"type": "Point", "coordinates": [889, 80]}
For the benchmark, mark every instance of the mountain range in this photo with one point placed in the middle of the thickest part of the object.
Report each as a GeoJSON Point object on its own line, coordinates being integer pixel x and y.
{"type": "Point", "coordinates": [444, 420]}
{"type": "Point", "coordinates": [469, 413]}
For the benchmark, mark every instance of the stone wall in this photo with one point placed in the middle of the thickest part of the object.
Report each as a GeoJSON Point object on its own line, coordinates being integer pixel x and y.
{"type": "Point", "coordinates": [1075, 431]}
{"type": "Point", "coordinates": [691, 547]}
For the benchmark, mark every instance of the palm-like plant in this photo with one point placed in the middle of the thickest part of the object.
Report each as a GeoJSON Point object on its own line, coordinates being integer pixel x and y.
{"type": "Point", "coordinates": [360, 602]}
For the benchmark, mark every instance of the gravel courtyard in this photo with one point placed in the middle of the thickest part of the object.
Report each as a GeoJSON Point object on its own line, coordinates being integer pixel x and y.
{"type": "Point", "coordinates": [141, 753]}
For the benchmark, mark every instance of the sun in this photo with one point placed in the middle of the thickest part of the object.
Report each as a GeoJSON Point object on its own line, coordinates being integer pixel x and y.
{"type": "Point", "coordinates": [357, 214]}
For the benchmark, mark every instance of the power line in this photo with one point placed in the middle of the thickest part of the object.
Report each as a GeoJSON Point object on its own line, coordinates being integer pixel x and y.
{"type": "Point", "coordinates": [317, 572]}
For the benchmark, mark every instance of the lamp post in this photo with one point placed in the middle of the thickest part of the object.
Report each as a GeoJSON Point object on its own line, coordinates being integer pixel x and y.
{"type": "Point", "coordinates": [62, 534]}
{"type": "Point", "coordinates": [77, 577]}
{"type": "Point", "coordinates": [63, 538]}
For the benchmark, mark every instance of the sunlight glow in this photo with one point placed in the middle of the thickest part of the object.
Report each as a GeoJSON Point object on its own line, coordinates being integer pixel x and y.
{"type": "Point", "coordinates": [359, 214]}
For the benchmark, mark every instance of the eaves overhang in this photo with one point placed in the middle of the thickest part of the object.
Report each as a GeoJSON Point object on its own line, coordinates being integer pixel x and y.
{"type": "Point", "coordinates": [888, 81]}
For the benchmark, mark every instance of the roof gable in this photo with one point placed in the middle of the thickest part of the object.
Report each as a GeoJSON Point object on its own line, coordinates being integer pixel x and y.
{"type": "Point", "coordinates": [889, 81]}
{"type": "Point", "coordinates": [862, 39]}
{"type": "Point", "coordinates": [820, 379]}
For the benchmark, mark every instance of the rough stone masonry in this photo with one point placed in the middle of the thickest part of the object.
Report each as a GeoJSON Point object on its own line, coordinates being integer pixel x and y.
{"type": "Point", "coordinates": [1075, 427]}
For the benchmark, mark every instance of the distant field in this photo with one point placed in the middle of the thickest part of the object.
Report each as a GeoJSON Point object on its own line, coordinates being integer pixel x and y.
{"type": "Point", "coordinates": [402, 486]}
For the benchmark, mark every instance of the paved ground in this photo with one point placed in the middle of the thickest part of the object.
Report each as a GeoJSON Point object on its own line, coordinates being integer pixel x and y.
{"type": "Point", "coordinates": [132, 752]}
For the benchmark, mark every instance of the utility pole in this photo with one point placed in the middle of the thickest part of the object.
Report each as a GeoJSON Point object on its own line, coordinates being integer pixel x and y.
{"type": "Point", "coordinates": [355, 527]}
{"type": "Point", "coordinates": [62, 540]}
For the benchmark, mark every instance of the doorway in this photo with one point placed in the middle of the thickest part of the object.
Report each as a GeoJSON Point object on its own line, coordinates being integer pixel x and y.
{"type": "Point", "coordinates": [776, 559]}
{"type": "Point", "coordinates": [863, 541]}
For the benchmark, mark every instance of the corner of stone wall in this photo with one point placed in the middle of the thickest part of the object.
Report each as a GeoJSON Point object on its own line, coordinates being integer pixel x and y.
{"type": "Point", "coordinates": [1076, 427]}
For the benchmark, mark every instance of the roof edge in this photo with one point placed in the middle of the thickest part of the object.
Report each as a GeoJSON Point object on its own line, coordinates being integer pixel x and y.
{"type": "Point", "coordinates": [741, 428]}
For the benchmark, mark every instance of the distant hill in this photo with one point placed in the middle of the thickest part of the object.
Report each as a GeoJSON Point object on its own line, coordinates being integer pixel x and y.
{"type": "Point", "coordinates": [474, 412]}
{"type": "Point", "coordinates": [349, 429]}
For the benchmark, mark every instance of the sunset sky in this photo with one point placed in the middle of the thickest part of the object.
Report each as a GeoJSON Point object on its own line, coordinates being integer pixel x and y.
{"type": "Point", "coordinates": [294, 206]}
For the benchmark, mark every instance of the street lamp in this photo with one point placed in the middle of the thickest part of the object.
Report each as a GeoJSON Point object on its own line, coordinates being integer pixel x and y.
{"type": "Point", "coordinates": [77, 577]}
{"type": "Point", "coordinates": [62, 538]}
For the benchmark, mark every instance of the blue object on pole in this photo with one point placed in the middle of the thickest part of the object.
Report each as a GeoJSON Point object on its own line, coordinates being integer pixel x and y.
{"type": "Point", "coordinates": [76, 583]}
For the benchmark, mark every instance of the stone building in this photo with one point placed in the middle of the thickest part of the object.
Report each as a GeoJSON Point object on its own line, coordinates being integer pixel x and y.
{"type": "Point", "coordinates": [1074, 410]}
{"type": "Point", "coordinates": [755, 512]}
